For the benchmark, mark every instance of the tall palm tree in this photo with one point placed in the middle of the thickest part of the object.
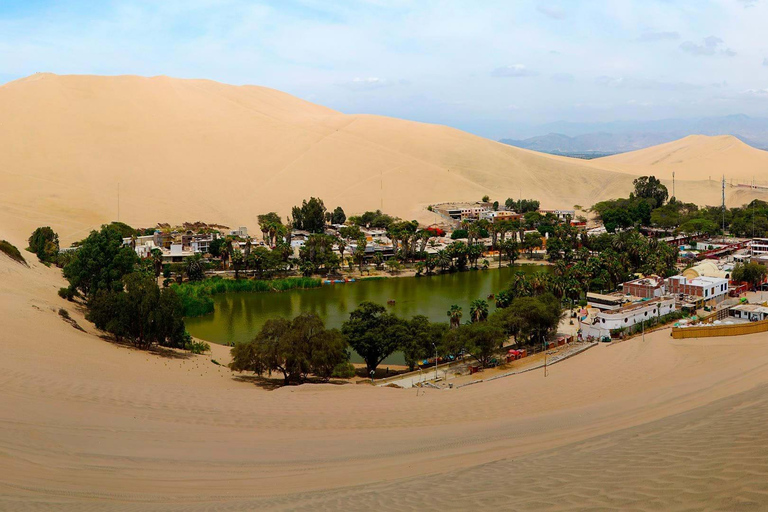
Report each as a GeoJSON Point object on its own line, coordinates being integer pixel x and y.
{"type": "Point", "coordinates": [455, 315]}
{"type": "Point", "coordinates": [478, 310]}
{"type": "Point", "coordinates": [157, 261]}
{"type": "Point", "coordinates": [444, 260]}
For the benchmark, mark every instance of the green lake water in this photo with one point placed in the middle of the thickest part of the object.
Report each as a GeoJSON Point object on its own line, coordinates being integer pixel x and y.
{"type": "Point", "coordinates": [238, 316]}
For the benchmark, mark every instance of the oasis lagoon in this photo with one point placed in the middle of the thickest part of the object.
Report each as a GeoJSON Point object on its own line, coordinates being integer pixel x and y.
{"type": "Point", "coordinates": [237, 317]}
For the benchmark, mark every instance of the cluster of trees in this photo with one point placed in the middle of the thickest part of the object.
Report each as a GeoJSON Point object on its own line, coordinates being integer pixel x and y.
{"type": "Point", "coordinates": [522, 205]}
{"type": "Point", "coordinates": [312, 216]}
{"type": "Point", "coordinates": [121, 292]}
{"type": "Point", "coordinates": [370, 219]}
{"type": "Point", "coordinates": [636, 210]}
{"type": "Point", "coordinates": [648, 206]}
{"type": "Point", "coordinates": [592, 263]}
{"type": "Point", "coordinates": [295, 348]}
{"type": "Point", "coordinates": [752, 273]}
{"type": "Point", "coordinates": [303, 346]}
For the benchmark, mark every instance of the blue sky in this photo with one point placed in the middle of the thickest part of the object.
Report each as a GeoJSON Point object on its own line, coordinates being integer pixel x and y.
{"type": "Point", "coordinates": [489, 67]}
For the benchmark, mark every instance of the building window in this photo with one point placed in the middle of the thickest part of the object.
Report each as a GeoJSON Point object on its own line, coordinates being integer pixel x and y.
{"type": "Point", "coordinates": [626, 320]}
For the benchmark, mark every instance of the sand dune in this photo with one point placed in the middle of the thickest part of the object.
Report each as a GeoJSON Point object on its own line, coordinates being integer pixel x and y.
{"type": "Point", "coordinates": [184, 150]}
{"type": "Point", "coordinates": [85, 424]}
{"type": "Point", "coordinates": [200, 150]}
{"type": "Point", "coordinates": [697, 157]}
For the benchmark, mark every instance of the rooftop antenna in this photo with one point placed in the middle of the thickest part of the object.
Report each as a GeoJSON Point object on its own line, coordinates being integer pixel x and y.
{"type": "Point", "coordinates": [723, 205]}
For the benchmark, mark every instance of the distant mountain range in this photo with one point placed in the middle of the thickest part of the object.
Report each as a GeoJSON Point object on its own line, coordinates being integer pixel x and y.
{"type": "Point", "coordinates": [590, 140]}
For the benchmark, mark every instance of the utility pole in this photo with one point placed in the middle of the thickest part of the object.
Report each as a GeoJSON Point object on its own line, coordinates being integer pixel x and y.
{"type": "Point", "coordinates": [673, 183]}
{"type": "Point", "coordinates": [723, 187]}
{"type": "Point", "coordinates": [118, 201]}
{"type": "Point", "coordinates": [435, 362]}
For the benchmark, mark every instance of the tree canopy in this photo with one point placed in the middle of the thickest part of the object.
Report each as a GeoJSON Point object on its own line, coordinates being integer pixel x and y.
{"type": "Point", "coordinates": [44, 242]}
{"type": "Point", "coordinates": [295, 348]}
{"type": "Point", "coordinates": [649, 187]}
{"type": "Point", "coordinates": [374, 333]}
{"type": "Point", "coordinates": [310, 216]}
{"type": "Point", "coordinates": [142, 313]}
{"type": "Point", "coordinates": [100, 262]}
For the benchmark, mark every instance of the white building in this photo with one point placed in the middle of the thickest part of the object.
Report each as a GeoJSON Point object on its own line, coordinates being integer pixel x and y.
{"type": "Point", "coordinates": [602, 323]}
{"type": "Point", "coordinates": [751, 312]}
{"type": "Point", "coordinates": [242, 232]}
{"type": "Point", "coordinates": [560, 214]}
{"type": "Point", "coordinates": [759, 247]}
{"type": "Point", "coordinates": [704, 290]}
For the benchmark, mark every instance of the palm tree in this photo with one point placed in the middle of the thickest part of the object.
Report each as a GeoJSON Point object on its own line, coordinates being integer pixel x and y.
{"type": "Point", "coordinates": [455, 315]}
{"type": "Point", "coordinates": [478, 310]}
{"type": "Point", "coordinates": [237, 260]}
{"type": "Point", "coordinates": [444, 260]}
{"type": "Point", "coordinates": [247, 253]}
{"type": "Point", "coordinates": [193, 266]}
{"type": "Point", "coordinates": [157, 261]}
{"type": "Point", "coordinates": [342, 245]}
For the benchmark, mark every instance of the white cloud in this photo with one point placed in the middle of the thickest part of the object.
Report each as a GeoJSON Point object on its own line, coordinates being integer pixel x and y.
{"type": "Point", "coordinates": [365, 84]}
{"type": "Point", "coordinates": [711, 45]}
{"type": "Point", "coordinates": [515, 70]}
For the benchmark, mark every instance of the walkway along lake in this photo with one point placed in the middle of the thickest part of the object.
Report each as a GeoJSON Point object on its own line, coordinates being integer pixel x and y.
{"type": "Point", "coordinates": [238, 316]}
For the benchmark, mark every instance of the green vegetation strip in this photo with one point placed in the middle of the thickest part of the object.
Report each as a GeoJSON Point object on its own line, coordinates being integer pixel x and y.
{"type": "Point", "coordinates": [12, 252]}
{"type": "Point", "coordinates": [196, 296]}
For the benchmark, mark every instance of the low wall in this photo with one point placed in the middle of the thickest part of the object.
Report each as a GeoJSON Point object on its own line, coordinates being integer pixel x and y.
{"type": "Point", "coordinates": [708, 331]}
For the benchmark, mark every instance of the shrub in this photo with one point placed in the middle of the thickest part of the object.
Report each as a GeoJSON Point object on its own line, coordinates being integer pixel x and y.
{"type": "Point", "coordinates": [197, 347]}
{"type": "Point", "coordinates": [12, 252]}
{"type": "Point", "coordinates": [67, 293]}
{"type": "Point", "coordinates": [63, 313]}
{"type": "Point", "coordinates": [196, 296]}
{"type": "Point", "coordinates": [45, 243]}
{"type": "Point", "coordinates": [343, 371]}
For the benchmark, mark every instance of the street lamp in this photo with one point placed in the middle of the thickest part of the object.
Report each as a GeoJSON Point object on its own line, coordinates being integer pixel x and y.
{"type": "Point", "coordinates": [433, 344]}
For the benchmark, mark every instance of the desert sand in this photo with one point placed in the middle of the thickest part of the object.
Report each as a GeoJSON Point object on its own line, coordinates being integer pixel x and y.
{"type": "Point", "coordinates": [89, 425]}
{"type": "Point", "coordinates": [696, 157]}
{"type": "Point", "coordinates": [188, 150]}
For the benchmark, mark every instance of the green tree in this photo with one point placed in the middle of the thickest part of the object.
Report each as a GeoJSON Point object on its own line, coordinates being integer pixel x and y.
{"type": "Point", "coordinates": [649, 187]}
{"type": "Point", "coordinates": [752, 273]}
{"type": "Point", "coordinates": [338, 216]}
{"type": "Point", "coordinates": [142, 313]}
{"type": "Point", "coordinates": [479, 340]}
{"type": "Point", "coordinates": [194, 267]}
{"type": "Point", "coordinates": [44, 242]}
{"type": "Point", "coordinates": [478, 310]}
{"type": "Point", "coordinates": [529, 319]}
{"type": "Point", "coordinates": [374, 333]}
{"type": "Point", "coordinates": [100, 262]}
{"type": "Point", "coordinates": [455, 314]}
{"type": "Point", "coordinates": [423, 337]}
{"type": "Point", "coordinates": [531, 242]}
{"type": "Point", "coordinates": [310, 216]}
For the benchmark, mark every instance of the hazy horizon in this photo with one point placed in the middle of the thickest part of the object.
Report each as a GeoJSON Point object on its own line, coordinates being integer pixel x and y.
{"type": "Point", "coordinates": [493, 71]}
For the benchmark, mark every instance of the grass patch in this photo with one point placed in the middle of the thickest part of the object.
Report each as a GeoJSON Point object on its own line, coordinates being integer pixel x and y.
{"type": "Point", "coordinates": [196, 296]}
{"type": "Point", "coordinates": [12, 252]}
